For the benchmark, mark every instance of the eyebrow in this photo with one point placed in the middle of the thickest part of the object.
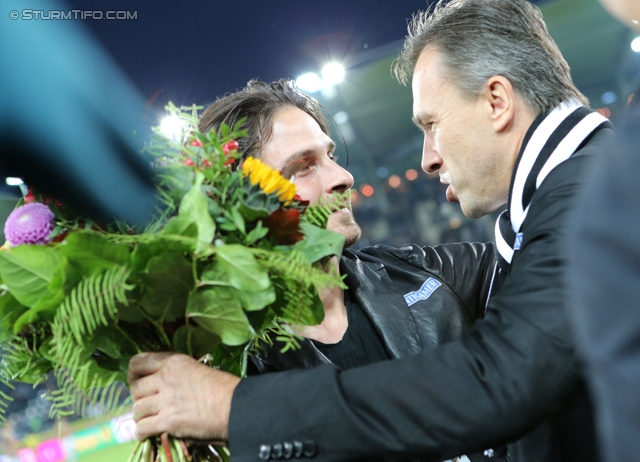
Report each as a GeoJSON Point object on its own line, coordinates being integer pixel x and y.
{"type": "Point", "coordinates": [417, 120]}
{"type": "Point", "coordinates": [289, 165]}
{"type": "Point", "coordinates": [298, 155]}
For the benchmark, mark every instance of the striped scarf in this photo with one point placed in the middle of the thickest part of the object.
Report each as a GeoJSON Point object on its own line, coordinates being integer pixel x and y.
{"type": "Point", "coordinates": [551, 139]}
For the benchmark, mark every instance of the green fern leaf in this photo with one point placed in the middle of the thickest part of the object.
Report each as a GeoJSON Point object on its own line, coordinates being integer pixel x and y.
{"type": "Point", "coordinates": [94, 302]}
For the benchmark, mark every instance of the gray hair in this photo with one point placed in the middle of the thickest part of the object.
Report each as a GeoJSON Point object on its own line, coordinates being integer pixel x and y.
{"type": "Point", "coordinates": [479, 39]}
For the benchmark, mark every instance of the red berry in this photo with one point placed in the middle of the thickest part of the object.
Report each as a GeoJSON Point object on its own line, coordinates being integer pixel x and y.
{"type": "Point", "coordinates": [233, 145]}
{"type": "Point", "coordinates": [297, 198]}
{"type": "Point", "coordinates": [206, 163]}
{"type": "Point", "coordinates": [188, 162]}
{"type": "Point", "coordinates": [225, 148]}
{"type": "Point", "coordinates": [229, 162]}
{"type": "Point", "coordinates": [197, 143]}
{"type": "Point", "coordinates": [30, 197]}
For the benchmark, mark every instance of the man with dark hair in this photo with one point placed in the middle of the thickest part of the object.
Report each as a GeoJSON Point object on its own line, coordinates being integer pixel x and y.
{"type": "Point", "coordinates": [399, 302]}
{"type": "Point", "coordinates": [503, 124]}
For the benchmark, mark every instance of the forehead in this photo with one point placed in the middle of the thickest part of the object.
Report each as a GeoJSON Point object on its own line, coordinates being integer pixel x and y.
{"type": "Point", "coordinates": [293, 131]}
{"type": "Point", "coordinates": [429, 85]}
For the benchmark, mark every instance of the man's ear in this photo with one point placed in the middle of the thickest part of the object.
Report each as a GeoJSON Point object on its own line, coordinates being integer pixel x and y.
{"type": "Point", "coordinates": [500, 102]}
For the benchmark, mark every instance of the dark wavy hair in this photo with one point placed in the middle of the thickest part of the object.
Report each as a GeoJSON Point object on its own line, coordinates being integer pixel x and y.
{"type": "Point", "coordinates": [258, 102]}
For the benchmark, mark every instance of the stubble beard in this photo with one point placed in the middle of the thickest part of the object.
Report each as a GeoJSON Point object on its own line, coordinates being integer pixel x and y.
{"type": "Point", "coordinates": [346, 225]}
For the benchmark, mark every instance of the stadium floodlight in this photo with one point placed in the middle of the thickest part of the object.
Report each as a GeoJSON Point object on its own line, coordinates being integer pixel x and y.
{"type": "Point", "coordinates": [309, 82]}
{"type": "Point", "coordinates": [173, 127]}
{"type": "Point", "coordinates": [12, 181]}
{"type": "Point", "coordinates": [635, 45]}
{"type": "Point", "coordinates": [333, 73]}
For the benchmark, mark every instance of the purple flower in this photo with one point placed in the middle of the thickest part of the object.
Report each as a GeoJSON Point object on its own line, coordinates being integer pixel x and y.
{"type": "Point", "coordinates": [29, 224]}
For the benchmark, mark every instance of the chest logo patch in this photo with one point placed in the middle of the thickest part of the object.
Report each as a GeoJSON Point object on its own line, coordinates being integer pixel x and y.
{"type": "Point", "coordinates": [429, 286]}
{"type": "Point", "coordinates": [518, 243]}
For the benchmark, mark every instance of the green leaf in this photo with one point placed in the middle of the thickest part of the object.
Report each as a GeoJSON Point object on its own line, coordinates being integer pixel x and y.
{"type": "Point", "coordinates": [238, 220]}
{"type": "Point", "coordinates": [243, 270]}
{"type": "Point", "coordinates": [228, 226]}
{"type": "Point", "coordinates": [169, 273]}
{"type": "Point", "coordinates": [145, 251]}
{"type": "Point", "coordinates": [213, 207]}
{"type": "Point", "coordinates": [167, 281]}
{"type": "Point", "coordinates": [179, 340]}
{"type": "Point", "coordinates": [130, 313]}
{"type": "Point", "coordinates": [213, 275]}
{"type": "Point", "coordinates": [45, 308]}
{"type": "Point", "coordinates": [262, 319]}
{"type": "Point", "coordinates": [319, 243]}
{"type": "Point", "coordinates": [256, 204]}
{"type": "Point", "coordinates": [181, 226]}
{"type": "Point", "coordinates": [202, 341]}
{"type": "Point", "coordinates": [232, 359]}
{"type": "Point", "coordinates": [27, 271]}
{"type": "Point", "coordinates": [194, 206]}
{"type": "Point", "coordinates": [218, 310]}
{"type": "Point", "coordinates": [65, 277]}
{"type": "Point", "coordinates": [10, 311]}
{"type": "Point", "coordinates": [164, 307]}
{"type": "Point", "coordinates": [256, 234]}
{"type": "Point", "coordinates": [176, 180]}
{"type": "Point", "coordinates": [251, 297]}
{"type": "Point", "coordinates": [112, 342]}
{"type": "Point", "coordinates": [94, 253]}
{"type": "Point", "coordinates": [253, 301]}
{"type": "Point", "coordinates": [224, 131]}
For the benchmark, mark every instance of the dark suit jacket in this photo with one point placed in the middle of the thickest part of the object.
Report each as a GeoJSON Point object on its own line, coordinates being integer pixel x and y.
{"type": "Point", "coordinates": [516, 377]}
{"type": "Point", "coordinates": [606, 281]}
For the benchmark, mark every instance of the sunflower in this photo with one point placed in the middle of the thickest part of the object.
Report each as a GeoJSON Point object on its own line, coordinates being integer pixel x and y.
{"type": "Point", "coordinates": [269, 179]}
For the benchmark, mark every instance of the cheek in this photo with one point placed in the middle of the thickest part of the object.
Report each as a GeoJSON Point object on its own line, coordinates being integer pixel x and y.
{"type": "Point", "coordinates": [306, 191]}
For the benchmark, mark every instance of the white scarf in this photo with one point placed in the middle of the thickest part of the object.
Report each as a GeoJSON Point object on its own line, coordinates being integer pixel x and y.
{"type": "Point", "coordinates": [551, 139]}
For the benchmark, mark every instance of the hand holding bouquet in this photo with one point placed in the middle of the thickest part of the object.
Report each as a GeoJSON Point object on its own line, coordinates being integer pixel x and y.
{"type": "Point", "coordinates": [232, 258]}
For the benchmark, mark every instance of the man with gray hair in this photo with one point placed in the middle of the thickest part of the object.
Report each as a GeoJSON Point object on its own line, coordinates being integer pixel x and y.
{"type": "Point", "coordinates": [503, 124]}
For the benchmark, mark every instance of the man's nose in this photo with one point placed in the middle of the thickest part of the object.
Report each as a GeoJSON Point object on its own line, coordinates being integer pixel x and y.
{"type": "Point", "coordinates": [431, 160]}
{"type": "Point", "coordinates": [340, 179]}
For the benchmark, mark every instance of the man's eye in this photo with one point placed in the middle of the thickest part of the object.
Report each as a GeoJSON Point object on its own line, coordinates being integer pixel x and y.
{"type": "Point", "coordinates": [303, 169]}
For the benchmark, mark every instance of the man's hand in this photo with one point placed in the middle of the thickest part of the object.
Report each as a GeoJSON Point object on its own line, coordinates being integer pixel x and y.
{"type": "Point", "coordinates": [176, 394]}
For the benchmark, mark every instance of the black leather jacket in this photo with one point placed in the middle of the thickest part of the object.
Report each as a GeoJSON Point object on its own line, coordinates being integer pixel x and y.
{"type": "Point", "coordinates": [379, 277]}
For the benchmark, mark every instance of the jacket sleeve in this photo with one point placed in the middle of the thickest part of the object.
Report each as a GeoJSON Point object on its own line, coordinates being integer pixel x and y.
{"type": "Point", "coordinates": [468, 269]}
{"type": "Point", "coordinates": [490, 388]}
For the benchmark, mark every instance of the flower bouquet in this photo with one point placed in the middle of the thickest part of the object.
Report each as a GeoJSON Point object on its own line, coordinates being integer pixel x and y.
{"type": "Point", "coordinates": [232, 258]}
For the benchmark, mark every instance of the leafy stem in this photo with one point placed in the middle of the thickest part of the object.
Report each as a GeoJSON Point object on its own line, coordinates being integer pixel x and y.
{"type": "Point", "coordinates": [159, 328]}
{"type": "Point", "coordinates": [128, 337]}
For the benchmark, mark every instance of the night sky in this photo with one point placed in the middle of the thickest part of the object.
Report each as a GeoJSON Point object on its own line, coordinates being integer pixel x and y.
{"type": "Point", "coordinates": [195, 50]}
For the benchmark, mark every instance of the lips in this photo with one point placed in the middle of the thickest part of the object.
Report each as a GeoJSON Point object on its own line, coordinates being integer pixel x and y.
{"type": "Point", "coordinates": [342, 210]}
{"type": "Point", "coordinates": [451, 196]}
